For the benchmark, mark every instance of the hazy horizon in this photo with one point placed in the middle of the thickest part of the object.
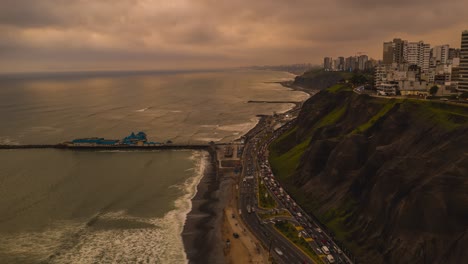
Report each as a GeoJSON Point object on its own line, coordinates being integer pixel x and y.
{"type": "Point", "coordinates": [141, 35]}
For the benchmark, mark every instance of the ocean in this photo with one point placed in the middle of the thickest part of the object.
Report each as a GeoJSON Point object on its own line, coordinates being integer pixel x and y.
{"type": "Point", "coordinates": [62, 206]}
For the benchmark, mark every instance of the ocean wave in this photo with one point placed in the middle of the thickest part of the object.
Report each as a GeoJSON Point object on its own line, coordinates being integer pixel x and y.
{"type": "Point", "coordinates": [241, 127]}
{"type": "Point", "coordinates": [8, 141]}
{"type": "Point", "coordinates": [112, 237]}
{"type": "Point", "coordinates": [142, 110]}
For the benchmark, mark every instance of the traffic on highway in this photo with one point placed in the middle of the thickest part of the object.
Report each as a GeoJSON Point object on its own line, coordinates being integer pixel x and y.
{"type": "Point", "coordinates": [256, 171]}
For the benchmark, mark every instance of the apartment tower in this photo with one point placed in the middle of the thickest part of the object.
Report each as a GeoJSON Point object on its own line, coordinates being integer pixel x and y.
{"type": "Point", "coordinates": [463, 75]}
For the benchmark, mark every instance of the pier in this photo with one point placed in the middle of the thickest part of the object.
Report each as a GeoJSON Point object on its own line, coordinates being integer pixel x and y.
{"type": "Point", "coordinates": [103, 147]}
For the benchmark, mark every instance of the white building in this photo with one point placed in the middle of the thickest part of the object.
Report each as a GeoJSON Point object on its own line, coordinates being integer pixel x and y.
{"type": "Point", "coordinates": [440, 54]}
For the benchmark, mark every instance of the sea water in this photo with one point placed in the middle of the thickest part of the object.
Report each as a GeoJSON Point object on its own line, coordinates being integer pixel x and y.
{"type": "Point", "coordinates": [63, 206]}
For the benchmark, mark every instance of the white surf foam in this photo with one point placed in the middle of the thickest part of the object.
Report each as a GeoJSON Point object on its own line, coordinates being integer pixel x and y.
{"type": "Point", "coordinates": [8, 141]}
{"type": "Point", "coordinates": [157, 240]}
{"type": "Point", "coordinates": [208, 139]}
{"type": "Point", "coordinates": [241, 127]}
{"type": "Point", "coordinates": [142, 110]}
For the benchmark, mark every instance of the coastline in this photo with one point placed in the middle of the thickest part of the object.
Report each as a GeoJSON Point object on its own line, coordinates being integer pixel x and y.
{"type": "Point", "coordinates": [205, 224]}
{"type": "Point", "coordinates": [201, 234]}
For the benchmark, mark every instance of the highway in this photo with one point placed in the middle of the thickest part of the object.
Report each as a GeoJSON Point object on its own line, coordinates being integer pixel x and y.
{"type": "Point", "coordinates": [264, 231]}
{"type": "Point", "coordinates": [256, 169]}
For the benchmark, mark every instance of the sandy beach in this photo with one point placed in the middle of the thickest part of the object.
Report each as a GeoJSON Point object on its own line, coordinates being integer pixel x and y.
{"type": "Point", "coordinates": [202, 230]}
{"type": "Point", "coordinates": [214, 216]}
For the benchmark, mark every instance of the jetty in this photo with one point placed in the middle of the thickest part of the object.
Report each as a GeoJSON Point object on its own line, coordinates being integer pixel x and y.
{"type": "Point", "coordinates": [113, 147]}
{"type": "Point", "coordinates": [135, 141]}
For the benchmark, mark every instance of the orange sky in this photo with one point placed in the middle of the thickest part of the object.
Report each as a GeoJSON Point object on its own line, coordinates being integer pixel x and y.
{"type": "Point", "coordinates": [62, 35]}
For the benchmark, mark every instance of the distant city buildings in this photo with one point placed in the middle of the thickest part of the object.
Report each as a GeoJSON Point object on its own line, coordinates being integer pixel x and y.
{"type": "Point", "coordinates": [352, 63]}
{"type": "Point", "coordinates": [412, 68]}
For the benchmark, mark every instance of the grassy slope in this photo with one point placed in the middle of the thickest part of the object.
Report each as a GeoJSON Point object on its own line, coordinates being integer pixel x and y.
{"type": "Point", "coordinates": [286, 163]}
{"type": "Point", "coordinates": [317, 73]}
{"type": "Point", "coordinates": [285, 160]}
{"type": "Point", "coordinates": [386, 107]}
{"type": "Point", "coordinates": [338, 88]}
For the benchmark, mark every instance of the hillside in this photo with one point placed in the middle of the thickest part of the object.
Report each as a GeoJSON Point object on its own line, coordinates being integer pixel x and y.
{"type": "Point", "coordinates": [320, 79]}
{"type": "Point", "coordinates": [388, 177]}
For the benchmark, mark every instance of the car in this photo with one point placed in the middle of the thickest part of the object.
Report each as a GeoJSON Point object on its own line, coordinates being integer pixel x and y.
{"type": "Point", "coordinates": [278, 251]}
{"type": "Point", "coordinates": [337, 249]}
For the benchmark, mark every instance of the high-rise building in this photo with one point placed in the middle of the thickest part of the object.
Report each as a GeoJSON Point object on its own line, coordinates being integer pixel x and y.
{"type": "Point", "coordinates": [412, 53]}
{"type": "Point", "coordinates": [418, 53]}
{"type": "Point", "coordinates": [387, 53]}
{"type": "Point", "coordinates": [350, 64]}
{"type": "Point", "coordinates": [424, 56]}
{"type": "Point", "coordinates": [341, 63]}
{"type": "Point", "coordinates": [403, 52]}
{"type": "Point", "coordinates": [441, 54]}
{"type": "Point", "coordinates": [400, 51]}
{"type": "Point", "coordinates": [327, 63]}
{"type": "Point", "coordinates": [463, 69]}
{"type": "Point", "coordinates": [362, 62]}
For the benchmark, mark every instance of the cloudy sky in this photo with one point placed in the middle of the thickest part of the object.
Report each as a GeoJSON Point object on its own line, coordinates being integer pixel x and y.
{"type": "Point", "coordinates": [62, 35]}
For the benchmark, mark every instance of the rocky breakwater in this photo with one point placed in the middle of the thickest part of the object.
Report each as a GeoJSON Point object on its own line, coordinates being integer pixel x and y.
{"type": "Point", "coordinates": [388, 177]}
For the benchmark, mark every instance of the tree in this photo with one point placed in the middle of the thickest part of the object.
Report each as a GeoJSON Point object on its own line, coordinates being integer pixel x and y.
{"type": "Point", "coordinates": [464, 95]}
{"type": "Point", "coordinates": [434, 90]}
{"type": "Point", "coordinates": [358, 79]}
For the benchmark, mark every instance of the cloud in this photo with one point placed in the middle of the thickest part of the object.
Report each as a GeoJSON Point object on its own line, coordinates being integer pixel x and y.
{"type": "Point", "coordinates": [47, 34]}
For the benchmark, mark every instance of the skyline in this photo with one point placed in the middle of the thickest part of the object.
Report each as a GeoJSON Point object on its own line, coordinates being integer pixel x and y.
{"type": "Point", "coordinates": [56, 35]}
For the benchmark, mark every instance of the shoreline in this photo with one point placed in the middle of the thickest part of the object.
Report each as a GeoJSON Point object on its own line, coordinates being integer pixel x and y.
{"type": "Point", "coordinates": [205, 224]}
{"type": "Point", "coordinates": [201, 232]}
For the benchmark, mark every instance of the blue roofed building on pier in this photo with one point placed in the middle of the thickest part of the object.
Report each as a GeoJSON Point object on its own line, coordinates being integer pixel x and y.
{"type": "Point", "coordinates": [138, 139]}
{"type": "Point", "coordinates": [135, 139]}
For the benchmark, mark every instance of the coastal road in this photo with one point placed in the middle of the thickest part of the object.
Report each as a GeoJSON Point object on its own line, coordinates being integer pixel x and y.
{"type": "Point", "coordinates": [256, 166]}
{"type": "Point", "coordinates": [264, 231]}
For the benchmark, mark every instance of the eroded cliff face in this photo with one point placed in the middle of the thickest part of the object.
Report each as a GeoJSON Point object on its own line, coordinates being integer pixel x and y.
{"type": "Point", "coordinates": [388, 177]}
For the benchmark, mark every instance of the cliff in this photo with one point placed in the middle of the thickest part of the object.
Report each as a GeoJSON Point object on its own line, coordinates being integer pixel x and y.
{"type": "Point", "coordinates": [388, 177]}
{"type": "Point", "coordinates": [320, 79]}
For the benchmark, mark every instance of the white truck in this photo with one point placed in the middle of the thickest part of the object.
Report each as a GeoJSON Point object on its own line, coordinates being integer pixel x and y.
{"type": "Point", "coordinates": [330, 259]}
{"type": "Point", "coordinates": [325, 250]}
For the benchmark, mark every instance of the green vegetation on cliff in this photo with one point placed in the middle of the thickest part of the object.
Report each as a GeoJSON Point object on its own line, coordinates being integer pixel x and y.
{"type": "Point", "coordinates": [339, 88]}
{"type": "Point", "coordinates": [384, 175]}
{"type": "Point", "coordinates": [332, 117]}
{"type": "Point", "coordinates": [387, 106]}
{"type": "Point", "coordinates": [286, 163]}
{"type": "Point", "coordinates": [447, 115]}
